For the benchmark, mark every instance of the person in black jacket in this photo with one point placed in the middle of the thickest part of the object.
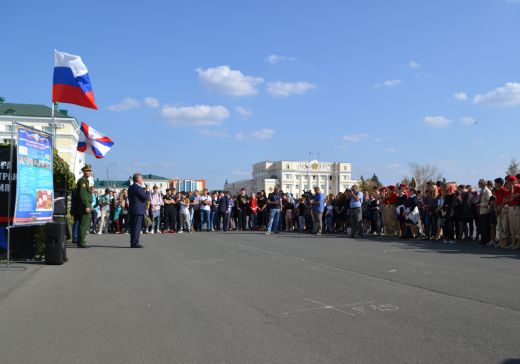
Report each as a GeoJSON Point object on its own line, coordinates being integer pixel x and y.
{"type": "Point", "coordinates": [137, 198]}
{"type": "Point", "coordinates": [448, 212]}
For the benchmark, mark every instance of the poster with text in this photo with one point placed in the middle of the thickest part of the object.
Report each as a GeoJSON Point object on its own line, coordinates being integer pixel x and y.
{"type": "Point", "coordinates": [34, 180]}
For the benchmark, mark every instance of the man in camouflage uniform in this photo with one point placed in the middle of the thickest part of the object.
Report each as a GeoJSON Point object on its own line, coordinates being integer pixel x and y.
{"type": "Point", "coordinates": [83, 204]}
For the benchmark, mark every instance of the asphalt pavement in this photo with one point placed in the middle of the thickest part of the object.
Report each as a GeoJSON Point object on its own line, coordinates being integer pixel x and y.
{"type": "Point", "coordinates": [243, 297]}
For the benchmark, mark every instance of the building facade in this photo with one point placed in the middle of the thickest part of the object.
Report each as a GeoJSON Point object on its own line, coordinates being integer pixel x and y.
{"type": "Point", "coordinates": [187, 185]}
{"type": "Point", "coordinates": [40, 117]}
{"type": "Point", "coordinates": [297, 177]}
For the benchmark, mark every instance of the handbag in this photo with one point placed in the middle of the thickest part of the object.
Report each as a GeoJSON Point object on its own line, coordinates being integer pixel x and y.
{"type": "Point", "coordinates": [147, 221]}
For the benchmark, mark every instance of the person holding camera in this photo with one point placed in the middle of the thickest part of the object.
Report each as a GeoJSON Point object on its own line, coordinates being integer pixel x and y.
{"type": "Point", "coordinates": [356, 214]}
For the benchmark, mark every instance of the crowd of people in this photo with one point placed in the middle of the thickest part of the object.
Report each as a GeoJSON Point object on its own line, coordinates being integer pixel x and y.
{"type": "Point", "coordinates": [441, 211]}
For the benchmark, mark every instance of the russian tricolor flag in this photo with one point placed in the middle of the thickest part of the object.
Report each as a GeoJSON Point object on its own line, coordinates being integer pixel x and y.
{"type": "Point", "coordinates": [71, 83]}
{"type": "Point", "coordinates": [93, 142]}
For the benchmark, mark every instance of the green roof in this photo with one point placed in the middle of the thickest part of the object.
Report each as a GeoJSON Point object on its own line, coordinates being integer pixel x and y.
{"type": "Point", "coordinates": [153, 176]}
{"type": "Point", "coordinates": [107, 184]}
{"type": "Point", "coordinates": [30, 110]}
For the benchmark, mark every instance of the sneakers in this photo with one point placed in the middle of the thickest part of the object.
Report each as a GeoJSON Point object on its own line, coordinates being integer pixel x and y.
{"type": "Point", "coordinates": [267, 233]}
{"type": "Point", "coordinates": [180, 232]}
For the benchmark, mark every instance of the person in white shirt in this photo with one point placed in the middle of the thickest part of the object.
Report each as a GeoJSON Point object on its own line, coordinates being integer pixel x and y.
{"type": "Point", "coordinates": [205, 210]}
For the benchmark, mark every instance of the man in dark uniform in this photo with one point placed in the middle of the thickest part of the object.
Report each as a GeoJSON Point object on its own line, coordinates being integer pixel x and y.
{"type": "Point", "coordinates": [137, 208]}
{"type": "Point", "coordinates": [83, 205]}
{"type": "Point", "coordinates": [170, 212]}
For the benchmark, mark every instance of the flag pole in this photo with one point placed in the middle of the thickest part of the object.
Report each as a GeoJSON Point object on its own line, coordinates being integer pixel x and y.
{"type": "Point", "coordinates": [9, 197]}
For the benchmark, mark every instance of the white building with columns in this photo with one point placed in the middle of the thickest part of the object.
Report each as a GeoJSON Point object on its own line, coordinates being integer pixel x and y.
{"type": "Point", "coordinates": [297, 177]}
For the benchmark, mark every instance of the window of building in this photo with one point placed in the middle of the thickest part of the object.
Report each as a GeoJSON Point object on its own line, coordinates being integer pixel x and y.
{"type": "Point", "coordinates": [297, 187]}
{"type": "Point", "coordinates": [47, 128]}
{"type": "Point", "coordinates": [330, 178]}
{"type": "Point", "coordinates": [287, 176]}
{"type": "Point", "coordinates": [347, 177]}
{"type": "Point", "coordinates": [287, 166]}
{"type": "Point", "coordinates": [313, 177]}
{"type": "Point", "coordinates": [287, 187]}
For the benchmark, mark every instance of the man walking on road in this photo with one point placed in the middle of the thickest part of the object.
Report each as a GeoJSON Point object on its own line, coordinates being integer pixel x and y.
{"type": "Point", "coordinates": [137, 198]}
{"type": "Point", "coordinates": [83, 205]}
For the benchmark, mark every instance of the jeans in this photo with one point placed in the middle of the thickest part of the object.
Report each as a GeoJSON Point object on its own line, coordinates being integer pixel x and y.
{"type": "Point", "coordinates": [430, 224]}
{"type": "Point", "coordinates": [156, 216]}
{"type": "Point", "coordinates": [212, 219]}
{"type": "Point", "coordinates": [328, 223]}
{"type": "Point", "coordinates": [301, 221]}
{"type": "Point", "coordinates": [204, 218]}
{"type": "Point", "coordinates": [252, 221]}
{"type": "Point", "coordinates": [274, 220]}
{"type": "Point", "coordinates": [222, 216]}
{"type": "Point", "coordinates": [75, 230]}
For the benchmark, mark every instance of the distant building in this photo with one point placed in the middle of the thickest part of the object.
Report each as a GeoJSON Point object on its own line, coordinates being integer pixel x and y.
{"type": "Point", "coordinates": [117, 186]}
{"type": "Point", "coordinates": [39, 117]}
{"type": "Point", "coordinates": [151, 180]}
{"type": "Point", "coordinates": [296, 177]}
{"type": "Point", "coordinates": [187, 185]}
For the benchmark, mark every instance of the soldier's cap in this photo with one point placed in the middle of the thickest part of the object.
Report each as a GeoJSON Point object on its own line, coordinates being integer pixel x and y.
{"type": "Point", "coordinates": [87, 168]}
{"type": "Point", "coordinates": [511, 179]}
{"type": "Point", "coordinates": [392, 188]}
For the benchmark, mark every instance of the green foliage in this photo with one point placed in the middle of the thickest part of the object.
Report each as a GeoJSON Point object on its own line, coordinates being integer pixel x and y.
{"type": "Point", "coordinates": [369, 184]}
{"type": "Point", "coordinates": [63, 177]}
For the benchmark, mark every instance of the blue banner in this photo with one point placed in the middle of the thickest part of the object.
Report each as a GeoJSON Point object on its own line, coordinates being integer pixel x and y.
{"type": "Point", "coordinates": [34, 180]}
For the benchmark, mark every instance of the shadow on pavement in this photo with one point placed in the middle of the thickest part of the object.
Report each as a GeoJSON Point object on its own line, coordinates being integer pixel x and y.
{"type": "Point", "coordinates": [434, 246]}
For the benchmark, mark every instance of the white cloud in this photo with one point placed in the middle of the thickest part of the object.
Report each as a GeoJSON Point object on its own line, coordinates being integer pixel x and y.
{"type": "Point", "coordinates": [377, 140]}
{"type": "Point", "coordinates": [126, 104]}
{"type": "Point", "coordinates": [468, 120]}
{"type": "Point", "coordinates": [389, 83]}
{"type": "Point", "coordinates": [504, 96]}
{"type": "Point", "coordinates": [151, 102]}
{"type": "Point", "coordinates": [285, 89]}
{"type": "Point", "coordinates": [437, 121]}
{"type": "Point", "coordinates": [391, 149]}
{"type": "Point", "coordinates": [246, 113]}
{"type": "Point", "coordinates": [460, 96]}
{"type": "Point", "coordinates": [354, 137]}
{"type": "Point", "coordinates": [197, 115]}
{"type": "Point", "coordinates": [275, 58]}
{"type": "Point", "coordinates": [414, 65]}
{"type": "Point", "coordinates": [263, 133]}
{"type": "Point", "coordinates": [228, 82]}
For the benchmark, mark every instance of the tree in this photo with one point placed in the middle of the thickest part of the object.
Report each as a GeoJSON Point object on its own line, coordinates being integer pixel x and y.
{"type": "Point", "coordinates": [513, 168]}
{"type": "Point", "coordinates": [375, 181]}
{"type": "Point", "coordinates": [63, 177]}
{"type": "Point", "coordinates": [424, 174]}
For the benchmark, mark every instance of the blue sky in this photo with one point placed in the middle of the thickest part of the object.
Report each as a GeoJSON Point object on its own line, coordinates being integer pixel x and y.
{"type": "Point", "coordinates": [203, 89]}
